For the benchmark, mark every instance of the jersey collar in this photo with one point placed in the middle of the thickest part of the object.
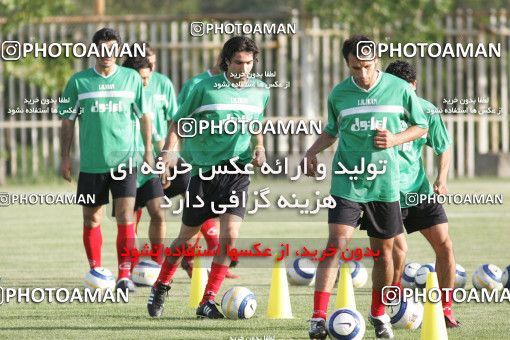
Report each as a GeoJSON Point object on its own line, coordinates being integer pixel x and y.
{"type": "Point", "coordinates": [379, 76]}
{"type": "Point", "coordinates": [108, 76]}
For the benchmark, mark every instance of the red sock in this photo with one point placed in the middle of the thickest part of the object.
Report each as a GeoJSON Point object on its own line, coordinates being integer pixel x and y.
{"type": "Point", "coordinates": [216, 278]}
{"type": "Point", "coordinates": [447, 305]}
{"type": "Point", "coordinates": [320, 304]}
{"type": "Point", "coordinates": [93, 240]}
{"type": "Point", "coordinates": [211, 233]}
{"type": "Point", "coordinates": [377, 307]}
{"type": "Point", "coordinates": [125, 239]}
{"type": "Point", "coordinates": [160, 257]}
{"type": "Point", "coordinates": [166, 273]}
{"type": "Point", "coordinates": [138, 214]}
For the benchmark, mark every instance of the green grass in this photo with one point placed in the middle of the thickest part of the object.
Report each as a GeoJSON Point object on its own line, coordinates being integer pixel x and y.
{"type": "Point", "coordinates": [41, 246]}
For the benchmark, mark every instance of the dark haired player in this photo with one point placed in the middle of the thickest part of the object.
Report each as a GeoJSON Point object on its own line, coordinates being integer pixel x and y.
{"type": "Point", "coordinates": [365, 113]}
{"type": "Point", "coordinates": [239, 97]}
{"type": "Point", "coordinates": [149, 190]}
{"type": "Point", "coordinates": [107, 99]}
{"type": "Point", "coordinates": [429, 218]}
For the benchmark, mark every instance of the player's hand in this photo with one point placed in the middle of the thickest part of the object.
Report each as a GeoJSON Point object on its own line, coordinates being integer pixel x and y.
{"type": "Point", "coordinates": [148, 158]}
{"type": "Point", "coordinates": [66, 169]}
{"type": "Point", "coordinates": [169, 160]}
{"type": "Point", "coordinates": [259, 156]}
{"type": "Point", "coordinates": [384, 139]}
{"type": "Point", "coordinates": [311, 165]}
{"type": "Point", "coordinates": [440, 187]}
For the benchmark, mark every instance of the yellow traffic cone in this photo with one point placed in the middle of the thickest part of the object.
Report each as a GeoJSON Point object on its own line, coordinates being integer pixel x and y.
{"type": "Point", "coordinates": [198, 282]}
{"type": "Point", "coordinates": [433, 326]}
{"type": "Point", "coordinates": [279, 298]}
{"type": "Point", "coordinates": [345, 292]}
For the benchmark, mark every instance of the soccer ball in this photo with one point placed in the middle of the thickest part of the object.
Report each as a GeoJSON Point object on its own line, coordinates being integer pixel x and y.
{"type": "Point", "coordinates": [239, 303]}
{"type": "Point", "coordinates": [505, 278]}
{"type": "Point", "coordinates": [346, 323]}
{"type": "Point", "coordinates": [302, 272]}
{"type": "Point", "coordinates": [99, 278]}
{"type": "Point", "coordinates": [145, 273]}
{"type": "Point", "coordinates": [460, 276]}
{"type": "Point", "coordinates": [421, 274]}
{"type": "Point", "coordinates": [409, 274]}
{"type": "Point", "coordinates": [359, 273]}
{"type": "Point", "coordinates": [407, 314]}
{"type": "Point", "coordinates": [487, 276]}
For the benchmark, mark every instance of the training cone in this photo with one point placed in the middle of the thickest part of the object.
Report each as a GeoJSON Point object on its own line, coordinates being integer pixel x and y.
{"type": "Point", "coordinates": [345, 292]}
{"type": "Point", "coordinates": [433, 326]}
{"type": "Point", "coordinates": [198, 282]}
{"type": "Point", "coordinates": [279, 298]}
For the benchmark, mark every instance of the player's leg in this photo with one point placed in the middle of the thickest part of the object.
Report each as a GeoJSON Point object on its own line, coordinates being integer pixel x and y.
{"type": "Point", "coordinates": [383, 222]}
{"type": "Point", "coordinates": [229, 232]}
{"type": "Point", "coordinates": [157, 228]}
{"type": "Point", "coordinates": [149, 195]}
{"type": "Point", "coordinates": [95, 185]}
{"type": "Point", "coordinates": [399, 258]}
{"type": "Point", "coordinates": [92, 236]}
{"type": "Point", "coordinates": [124, 195]}
{"type": "Point", "coordinates": [220, 190]}
{"type": "Point", "coordinates": [341, 223]}
{"type": "Point", "coordinates": [178, 187]}
{"type": "Point", "coordinates": [186, 238]}
{"type": "Point", "coordinates": [440, 240]}
{"type": "Point", "coordinates": [125, 239]}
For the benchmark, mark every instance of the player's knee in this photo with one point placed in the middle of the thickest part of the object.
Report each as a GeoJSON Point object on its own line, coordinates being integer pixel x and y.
{"type": "Point", "coordinates": [157, 215]}
{"type": "Point", "coordinates": [338, 242]}
{"type": "Point", "coordinates": [444, 248]}
{"type": "Point", "coordinates": [400, 247]}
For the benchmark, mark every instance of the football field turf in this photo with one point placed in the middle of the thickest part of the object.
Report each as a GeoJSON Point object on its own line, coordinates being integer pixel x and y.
{"type": "Point", "coordinates": [41, 246]}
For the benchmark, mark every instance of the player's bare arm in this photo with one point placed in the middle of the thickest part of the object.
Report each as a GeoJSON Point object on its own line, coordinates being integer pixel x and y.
{"type": "Point", "coordinates": [259, 152]}
{"type": "Point", "coordinates": [66, 140]}
{"type": "Point", "coordinates": [443, 166]}
{"type": "Point", "coordinates": [146, 125]}
{"type": "Point", "coordinates": [385, 139]}
{"type": "Point", "coordinates": [324, 141]}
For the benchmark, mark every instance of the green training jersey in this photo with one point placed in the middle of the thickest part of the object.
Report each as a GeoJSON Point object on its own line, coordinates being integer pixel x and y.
{"type": "Point", "coordinates": [190, 84]}
{"type": "Point", "coordinates": [161, 104]}
{"type": "Point", "coordinates": [185, 91]}
{"type": "Point", "coordinates": [369, 173]}
{"type": "Point", "coordinates": [107, 109]}
{"type": "Point", "coordinates": [412, 171]}
{"type": "Point", "coordinates": [218, 104]}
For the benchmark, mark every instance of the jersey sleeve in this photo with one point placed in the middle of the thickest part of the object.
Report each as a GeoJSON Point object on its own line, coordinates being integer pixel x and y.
{"type": "Point", "coordinates": [172, 101]}
{"type": "Point", "coordinates": [192, 102]}
{"type": "Point", "coordinates": [69, 109]}
{"type": "Point", "coordinates": [183, 94]}
{"type": "Point", "coordinates": [332, 125]}
{"type": "Point", "coordinates": [139, 102]}
{"type": "Point", "coordinates": [413, 109]}
{"type": "Point", "coordinates": [438, 137]}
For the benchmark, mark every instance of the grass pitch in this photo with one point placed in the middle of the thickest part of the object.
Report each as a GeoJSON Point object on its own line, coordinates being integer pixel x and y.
{"type": "Point", "coordinates": [41, 246]}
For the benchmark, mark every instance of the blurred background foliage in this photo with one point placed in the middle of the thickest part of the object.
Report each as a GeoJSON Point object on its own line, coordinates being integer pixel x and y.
{"type": "Point", "coordinates": [403, 20]}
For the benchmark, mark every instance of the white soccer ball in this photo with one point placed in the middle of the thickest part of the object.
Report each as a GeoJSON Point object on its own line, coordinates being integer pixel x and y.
{"type": "Point", "coordinates": [460, 276]}
{"type": "Point", "coordinates": [99, 278]}
{"type": "Point", "coordinates": [146, 272]}
{"type": "Point", "coordinates": [302, 272]}
{"type": "Point", "coordinates": [505, 278]}
{"type": "Point", "coordinates": [346, 323]}
{"type": "Point", "coordinates": [421, 274]}
{"type": "Point", "coordinates": [359, 273]}
{"type": "Point", "coordinates": [407, 314]}
{"type": "Point", "coordinates": [409, 274]}
{"type": "Point", "coordinates": [488, 276]}
{"type": "Point", "coordinates": [239, 303]}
